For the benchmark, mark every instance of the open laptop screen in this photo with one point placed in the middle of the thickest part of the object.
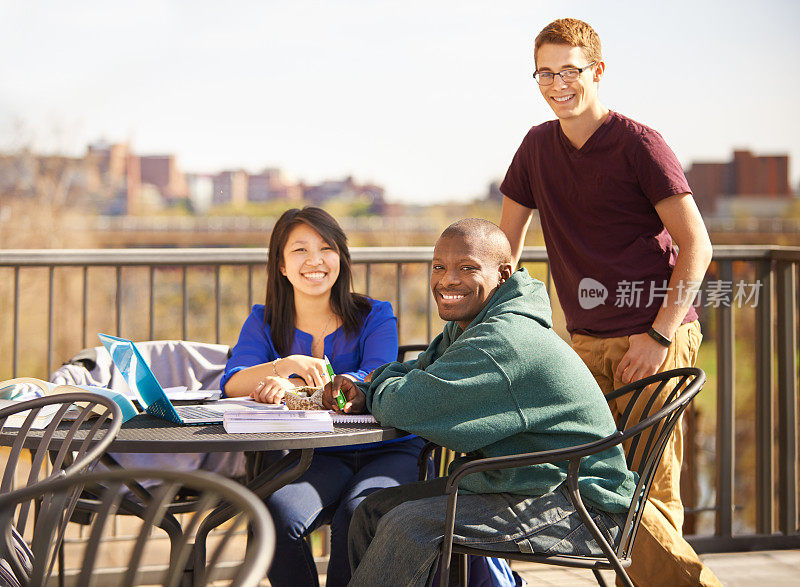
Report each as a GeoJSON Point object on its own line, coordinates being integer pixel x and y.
{"type": "Point", "coordinates": [138, 376]}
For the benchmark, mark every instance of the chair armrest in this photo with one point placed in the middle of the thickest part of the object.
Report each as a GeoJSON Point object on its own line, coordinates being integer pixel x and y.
{"type": "Point", "coordinates": [684, 372]}
{"type": "Point", "coordinates": [424, 456]}
{"type": "Point", "coordinates": [532, 458]}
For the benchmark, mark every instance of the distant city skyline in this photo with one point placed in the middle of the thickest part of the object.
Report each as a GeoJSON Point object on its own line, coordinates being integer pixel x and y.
{"type": "Point", "coordinates": [429, 100]}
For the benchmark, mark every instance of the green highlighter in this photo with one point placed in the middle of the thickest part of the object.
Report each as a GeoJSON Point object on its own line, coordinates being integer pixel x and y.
{"type": "Point", "coordinates": [340, 401]}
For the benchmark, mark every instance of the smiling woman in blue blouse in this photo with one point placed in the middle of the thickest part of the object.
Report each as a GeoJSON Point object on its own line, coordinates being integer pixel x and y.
{"type": "Point", "coordinates": [311, 312]}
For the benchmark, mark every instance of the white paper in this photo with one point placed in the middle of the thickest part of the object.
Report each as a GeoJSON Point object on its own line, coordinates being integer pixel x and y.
{"type": "Point", "coordinates": [180, 393]}
{"type": "Point", "coordinates": [45, 416]}
{"type": "Point", "coordinates": [183, 394]}
{"type": "Point", "coordinates": [247, 402]}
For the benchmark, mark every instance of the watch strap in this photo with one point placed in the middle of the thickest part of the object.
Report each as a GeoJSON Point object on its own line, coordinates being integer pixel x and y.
{"type": "Point", "coordinates": [658, 337]}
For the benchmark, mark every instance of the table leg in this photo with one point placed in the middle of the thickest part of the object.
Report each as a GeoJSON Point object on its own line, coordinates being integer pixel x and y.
{"type": "Point", "coordinates": [169, 523]}
{"type": "Point", "coordinates": [263, 485]}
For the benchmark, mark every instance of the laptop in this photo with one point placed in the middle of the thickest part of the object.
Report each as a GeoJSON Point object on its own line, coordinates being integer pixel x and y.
{"type": "Point", "coordinates": [152, 396]}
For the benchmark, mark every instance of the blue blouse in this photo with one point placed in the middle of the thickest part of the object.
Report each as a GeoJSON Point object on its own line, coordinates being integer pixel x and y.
{"type": "Point", "coordinates": [373, 346]}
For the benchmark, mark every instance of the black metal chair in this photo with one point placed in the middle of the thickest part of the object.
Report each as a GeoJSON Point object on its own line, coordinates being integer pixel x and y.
{"type": "Point", "coordinates": [436, 459]}
{"type": "Point", "coordinates": [175, 363]}
{"type": "Point", "coordinates": [56, 500]}
{"type": "Point", "coordinates": [661, 408]}
{"type": "Point", "coordinates": [51, 446]}
{"type": "Point", "coordinates": [47, 428]}
{"type": "Point", "coordinates": [324, 531]}
{"type": "Point", "coordinates": [405, 349]}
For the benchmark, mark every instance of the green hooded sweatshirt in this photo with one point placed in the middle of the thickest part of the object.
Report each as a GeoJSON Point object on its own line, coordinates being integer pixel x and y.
{"type": "Point", "coordinates": [508, 384]}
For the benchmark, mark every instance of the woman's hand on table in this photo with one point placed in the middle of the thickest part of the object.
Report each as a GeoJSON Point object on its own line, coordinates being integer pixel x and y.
{"type": "Point", "coordinates": [356, 402]}
{"type": "Point", "coordinates": [270, 390]}
{"type": "Point", "coordinates": [311, 369]}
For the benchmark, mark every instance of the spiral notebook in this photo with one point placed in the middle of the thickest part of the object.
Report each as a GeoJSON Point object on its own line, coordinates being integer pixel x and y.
{"type": "Point", "coordinates": [353, 418]}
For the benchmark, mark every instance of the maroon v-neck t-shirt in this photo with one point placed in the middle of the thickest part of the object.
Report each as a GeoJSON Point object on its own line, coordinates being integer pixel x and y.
{"type": "Point", "coordinates": [610, 255]}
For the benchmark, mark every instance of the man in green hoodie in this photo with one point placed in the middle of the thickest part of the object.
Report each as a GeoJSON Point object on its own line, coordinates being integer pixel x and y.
{"type": "Point", "coordinates": [498, 380]}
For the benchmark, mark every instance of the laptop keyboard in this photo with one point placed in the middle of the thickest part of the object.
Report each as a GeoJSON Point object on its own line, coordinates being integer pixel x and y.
{"type": "Point", "coordinates": [197, 412]}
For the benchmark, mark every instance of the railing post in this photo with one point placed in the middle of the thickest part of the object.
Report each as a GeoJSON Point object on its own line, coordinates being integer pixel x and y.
{"type": "Point", "coordinates": [689, 471]}
{"type": "Point", "coordinates": [249, 287]}
{"type": "Point", "coordinates": [764, 414]}
{"type": "Point", "coordinates": [549, 282]}
{"type": "Point", "coordinates": [399, 293]}
{"type": "Point", "coordinates": [428, 306]}
{"type": "Point", "coordinates": [217, 305]}
{"type": "Point", "coordinates": [725, 411]}
{"type": "Point", "coordinates": [151, 329]}
{"type": "Point", "coordinates": [50, 318]}
{"type": "Point", "coordinates": [85, 308]}
{"type": "Point", "coordinates": [15, 326]}
{"type": "Point", "coordinates": [787, 397]}
{"type": "Point", "coordinates": [118, 301]}
{"type": "Point", "coordinates": [184, 303]}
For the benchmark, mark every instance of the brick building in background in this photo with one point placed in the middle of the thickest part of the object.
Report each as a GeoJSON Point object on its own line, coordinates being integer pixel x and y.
{"type": "Point", "coordinates": [111, 180]}
{"type": "Point", "coordinates": [162, 172]}
{"type": "Point", "coordinates": [759, 183]}
{"type": "Point", "coordinates": [114, 177]}
{"type": "Point", "coordinates": [345, 189]}
{"type": "Point", "coordinates": [125, 183]}
{"type": "Point", "coordinates": [272, 184]}
{"type": "Point", "coordinates": [230, 187]}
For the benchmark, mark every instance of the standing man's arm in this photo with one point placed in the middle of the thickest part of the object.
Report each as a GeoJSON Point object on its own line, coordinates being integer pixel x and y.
{"type": "Point", "coordinates": [683, 221]}
{"type": "Point", "coordinates": [514, 221]}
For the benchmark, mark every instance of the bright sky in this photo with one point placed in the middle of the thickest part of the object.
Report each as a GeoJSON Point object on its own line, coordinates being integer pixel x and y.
{"type": "Point", "coordinates": [428, 98]}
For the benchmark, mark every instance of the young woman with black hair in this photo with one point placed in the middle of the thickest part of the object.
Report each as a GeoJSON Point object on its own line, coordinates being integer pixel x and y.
{"type": "Point", "coordinates": [311, 312]}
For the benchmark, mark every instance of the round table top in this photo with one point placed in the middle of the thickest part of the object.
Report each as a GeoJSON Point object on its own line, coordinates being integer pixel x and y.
{"type": "Point", "coordinates": [145, 433]}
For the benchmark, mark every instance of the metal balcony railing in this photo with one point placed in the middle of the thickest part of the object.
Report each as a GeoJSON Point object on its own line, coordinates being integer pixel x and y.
{"type": "Point", "coordinates": [53, 302]}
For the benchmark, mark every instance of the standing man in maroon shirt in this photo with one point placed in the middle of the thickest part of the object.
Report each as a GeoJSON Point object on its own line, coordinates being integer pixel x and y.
{"type": "Point", "coordinates": [612, 198]}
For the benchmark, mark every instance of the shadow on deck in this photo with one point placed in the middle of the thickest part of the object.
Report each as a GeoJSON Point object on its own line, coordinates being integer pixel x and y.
{"type": "Point", "coordinates": [768, 568]}
{"type": "Point", "coordinates": [771, 568]}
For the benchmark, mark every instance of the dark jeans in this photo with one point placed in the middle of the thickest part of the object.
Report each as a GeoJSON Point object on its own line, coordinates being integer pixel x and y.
{"type": "Point", "coordinates": [396, 534]}
{"type": "Point", "coordinates": [335, 483]}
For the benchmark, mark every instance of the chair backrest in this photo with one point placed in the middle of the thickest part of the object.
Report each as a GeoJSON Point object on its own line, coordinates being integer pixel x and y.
{"type": "Point", "coordinates": [56, 499]}
{"type": "Point", "coordinates": [405, 349]}
{"type": "Point", "coordinates": [80, 428]}
{"type": "Point", "coordinates": [654, 406]}
{"type": "Point", "coordinates": [196, 365]}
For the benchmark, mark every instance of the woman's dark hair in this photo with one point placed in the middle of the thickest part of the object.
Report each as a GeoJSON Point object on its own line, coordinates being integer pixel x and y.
{"type": "Point", "coordinates": [279, 313]}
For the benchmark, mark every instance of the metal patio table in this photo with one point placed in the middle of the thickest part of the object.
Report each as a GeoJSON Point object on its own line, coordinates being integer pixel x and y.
{"type": "Point", "coordinates": [147, 434]}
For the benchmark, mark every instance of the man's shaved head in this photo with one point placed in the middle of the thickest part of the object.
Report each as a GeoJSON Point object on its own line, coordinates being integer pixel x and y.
{"type": "Point", "coordinates": [485, 237]}
{"type": "Point", "coordinates": [471, 260]}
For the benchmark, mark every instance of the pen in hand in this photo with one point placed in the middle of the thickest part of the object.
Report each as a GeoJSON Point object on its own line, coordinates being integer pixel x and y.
{"type": "Point", "coordinates": [339, 397]}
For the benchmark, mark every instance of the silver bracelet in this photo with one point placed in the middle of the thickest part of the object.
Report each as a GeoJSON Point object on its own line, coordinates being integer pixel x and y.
{"type": "Point", "coordinates": [275, 368]}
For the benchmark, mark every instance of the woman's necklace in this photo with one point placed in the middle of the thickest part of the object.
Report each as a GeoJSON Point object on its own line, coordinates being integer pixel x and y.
{"type": "Point", "coordinates": [328, 323]}
{"type": "Point", "coordinates": [320, 343]}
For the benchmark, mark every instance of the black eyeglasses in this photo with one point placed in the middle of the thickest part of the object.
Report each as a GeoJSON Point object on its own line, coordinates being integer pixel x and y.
{"type": "Point", "coordinates": [569, 75]}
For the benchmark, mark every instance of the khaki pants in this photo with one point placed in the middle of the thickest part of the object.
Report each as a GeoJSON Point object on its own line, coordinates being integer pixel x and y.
{"type": "Point", "coordinates": [660, 556]}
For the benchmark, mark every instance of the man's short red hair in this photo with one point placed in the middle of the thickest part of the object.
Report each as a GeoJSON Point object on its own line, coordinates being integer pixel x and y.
{"type": "Point", "coordinates": [573, 32]}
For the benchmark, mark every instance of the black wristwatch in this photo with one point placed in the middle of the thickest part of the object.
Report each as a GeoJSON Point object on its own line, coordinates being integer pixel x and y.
{"type": "Point", "coordinates": [658, 337]}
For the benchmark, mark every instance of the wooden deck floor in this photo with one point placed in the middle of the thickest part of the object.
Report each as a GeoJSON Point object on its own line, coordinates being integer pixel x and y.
{"type": "Point", "coordinates": [773, 568]}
